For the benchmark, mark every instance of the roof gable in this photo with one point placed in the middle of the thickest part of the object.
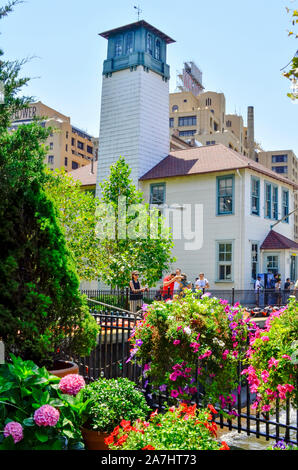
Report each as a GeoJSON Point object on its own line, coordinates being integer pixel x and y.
{"type": "Point", "coordinates": [276, 241]}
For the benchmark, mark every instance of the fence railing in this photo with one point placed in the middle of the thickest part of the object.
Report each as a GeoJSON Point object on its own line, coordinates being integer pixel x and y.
{"type": "Point", "coordinates": [247, 298]}
{"type": "Point", "coordinates": [110, 359]}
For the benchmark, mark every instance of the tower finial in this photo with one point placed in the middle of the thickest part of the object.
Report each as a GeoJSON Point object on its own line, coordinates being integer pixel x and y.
{"type": "Point", "coordinates": [139, 11]}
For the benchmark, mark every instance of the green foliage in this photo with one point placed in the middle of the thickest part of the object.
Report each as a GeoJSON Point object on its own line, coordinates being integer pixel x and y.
{"type": "Point", "coordinates": [292, 72]}
{"type": "Point", "coordinates": [77, 214]}
{"type": "Point", "coordinates": [128, 245]}
{"type": "Point", "coordinates": [41, 308]}
{"type": "Point", "coordinates": [189, 339]}
{"type": "Point", "coordinates": [24, 388]}
{"type": "Point", "coordinates": [182, 428]}
{"type": "Point", "coordinates": [112, 400]}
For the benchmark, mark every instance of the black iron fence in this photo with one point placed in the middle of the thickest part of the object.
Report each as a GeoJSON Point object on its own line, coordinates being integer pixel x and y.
{"type": "Point", "coordinates": [111, 359]}
{"type": "Point", "coordinates": [250, 299]}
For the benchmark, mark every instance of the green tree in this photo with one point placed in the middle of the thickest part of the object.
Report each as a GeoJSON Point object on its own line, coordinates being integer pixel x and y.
{"type": "Point", "coordinates": [292, 72]}
{"type": "Point", "coordinates": [77, 213]}
{"type": "Point", "coordinates": [41, 308]}
{"type": "Point", "coordinates": [125, 232]}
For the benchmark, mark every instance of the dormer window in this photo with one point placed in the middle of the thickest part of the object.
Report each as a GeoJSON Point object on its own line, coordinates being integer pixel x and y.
{"type": "Point", "coordinates": [149, 44]}
{"type": "Point", "coordinates": [118, 46]}
{"type": "Point", "coordinates": [129, 43]}
{"type": "Point", "coordinates": [157, 49]}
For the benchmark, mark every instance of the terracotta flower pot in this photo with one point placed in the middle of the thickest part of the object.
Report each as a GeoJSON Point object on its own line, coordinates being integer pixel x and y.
{"type": "Point", "coordinates": [94, 440]}
{"type": "Point", "coordinates": [62, 368]}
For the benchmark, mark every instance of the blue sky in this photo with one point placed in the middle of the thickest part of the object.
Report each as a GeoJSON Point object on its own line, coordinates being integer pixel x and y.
{"type": "Point", "coordinates": [239, 45]}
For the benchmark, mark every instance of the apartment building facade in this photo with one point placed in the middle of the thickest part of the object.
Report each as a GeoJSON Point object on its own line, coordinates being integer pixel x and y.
{"type": "Point", "coordinates": [67, 146]}
{"type": "Point", "coordinates": [285, 163]}
{"type": "Point", "coordinates": [204, 119]}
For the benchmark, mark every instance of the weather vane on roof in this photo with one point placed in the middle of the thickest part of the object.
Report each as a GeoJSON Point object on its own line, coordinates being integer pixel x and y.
{"type": "Point", "coordinates": [138, 10]}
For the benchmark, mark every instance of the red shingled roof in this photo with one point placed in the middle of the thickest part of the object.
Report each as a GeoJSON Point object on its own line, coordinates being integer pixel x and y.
{"type": "Point", "coordinates": [207, 159]}
{"type": "Point", "coordinates": [276, 241]}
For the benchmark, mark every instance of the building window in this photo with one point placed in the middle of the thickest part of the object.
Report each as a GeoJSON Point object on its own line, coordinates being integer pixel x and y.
{"type": "Point", "coordinates": [275, 202]}
{"type": "Point", "coordinates": [74, 165]}
{"type": "Point", "coordinates": [174, 108]}
{"type": "Point", "coordinates": [255, 196]}
{"type": "Point", "coordinates": [280, 169]}
{"type": "Point", "coordinates": [187, 133]}
{"type": "Point", "coordinates": [51, 159]}
{"type": "Point", "coordinates": [66, 134]}
{"type": "Point", "coordinates": [224, 261]}
{"type": "Point", "coordinates": [72, 141]}
{"type": "Point", "coordinates": [171, 122]}
{"type": "Point", "coordinates": [187, 121]}
{"type": "Point", "coordinates": [210, 142]}
{"type": "Point", "coordinates": [293, 268]}
{"type": "Point", "coordinates": [51, 145]}
{"type": "Point", "coordinates": [157, 193]}
{"type": "Point", "coordinates": [279, 158]}
{"type": "Point", "coordinates": [254, 260]}
{"type": "Point", "coordinates": [129, 43]}
{"type": "Point", "coordinates": [66, 147]}
{"type": "Point", "coordinates": [90, 149]}
{"type": "Point", "coordinates": [285, 205]}
{"type": "Point", "coordinates": [149, 44]}
{"type": "Point", "coordinates": [268, 195]}
{"type": "Point", "coordinates": [118, 46]}
{"type": "Point", "coordinates": [215, 126]}
{"type": "Point", "coordinates": [157, 49]}
{"type": "Point", "coordinates": [80, 145]}
{"type": "Point", "coordinates": [229, 123]}
{"type": "Point", "coordinates": [65, 161]}
{"type": "Point", "coordinates": [225, 194]}
{"type": "Point", "coordinates": [208, 102]}
{"type": "Point", "coordinates": [271, 264]}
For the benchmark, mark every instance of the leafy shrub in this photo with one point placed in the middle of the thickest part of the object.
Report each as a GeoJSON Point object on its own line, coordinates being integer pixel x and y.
{"type": "Point", "coordinates": [183, 428]}
{"type": "Point", "coordinates": [34, 413]}
{"type": "Point", "coordinates": [112, 400]}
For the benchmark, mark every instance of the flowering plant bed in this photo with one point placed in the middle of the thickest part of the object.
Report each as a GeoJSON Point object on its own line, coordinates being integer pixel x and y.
{"type": "Point", "coordinates": [37, 410]}
{"type": "Point", "coordinates": [192, 339]}
{"type": "Point", "coordinates": [272, 360]}
{"type": "Point", "coordinates": [183, 428]}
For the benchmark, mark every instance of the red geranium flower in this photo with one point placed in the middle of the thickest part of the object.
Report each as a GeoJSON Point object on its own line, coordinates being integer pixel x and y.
{"type": "Point", "coordinates": [212, 409]}
{"type": "Point", "coordinates": [224, 446]}
{"type": "Point", "coordinates": [109, 440]}
{"type": "Point", "coordinates": [148, 447]}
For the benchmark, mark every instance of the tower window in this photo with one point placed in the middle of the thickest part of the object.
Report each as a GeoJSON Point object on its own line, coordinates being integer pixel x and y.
{"type": "Point", "coordinates": [149, 44]}
{"type": "Point", "coordinates": [129, 43]}
{"type": "Point", "coordinates": [157, 49]}
{"type": "Point", "coordinates": [208, 102]}
{"type": "Point", "coordinates": [118, 46]}
{"type": "Point", "coordinates": [174, 108]}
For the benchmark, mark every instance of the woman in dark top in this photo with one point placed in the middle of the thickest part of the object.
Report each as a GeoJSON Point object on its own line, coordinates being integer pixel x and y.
{"type": "Point", "coordinates": [135, 292]}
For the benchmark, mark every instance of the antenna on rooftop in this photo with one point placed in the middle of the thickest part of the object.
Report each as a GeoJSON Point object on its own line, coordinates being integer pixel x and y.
{"type": "Point", "coordinates": [139, 11]}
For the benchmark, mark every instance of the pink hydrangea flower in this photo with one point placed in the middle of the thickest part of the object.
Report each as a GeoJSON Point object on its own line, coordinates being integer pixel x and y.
{"type": "Point", "coordinates": [46, 415]}
{"type": "Point", "coordinates": [15, 430]}
{"type": "Point", "coordinates": [71, 384]}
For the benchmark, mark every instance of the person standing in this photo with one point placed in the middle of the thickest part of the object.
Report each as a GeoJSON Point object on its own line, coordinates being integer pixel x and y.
{"type": "Point", "coordinates": [177, 282]}
{"type": "Point", "coordinates": [135, 292]}
{"type": "Point", "coordinates": [184, 284]}
{"type": "Point", "coordinates": [202, 283]}
{"type": "Point", "coordinates": [287, 289]}
{"type": "Point", "coordinates": [168, 285]}
{"type": "Point", "coordinates": [258, 287]}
